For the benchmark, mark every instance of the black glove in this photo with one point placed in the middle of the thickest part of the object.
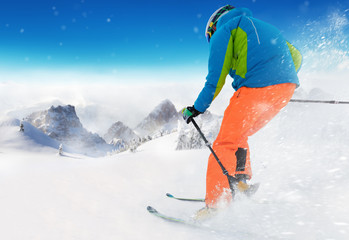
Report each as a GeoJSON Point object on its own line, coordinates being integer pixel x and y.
{"type": "Point", "coordinates": [189, 113]}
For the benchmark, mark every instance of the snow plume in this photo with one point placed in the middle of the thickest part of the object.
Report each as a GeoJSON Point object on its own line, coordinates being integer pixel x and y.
{"type": "Point", "coordinates": [325, 48]}
{"type": "Point", "coordinates": [325, 43]}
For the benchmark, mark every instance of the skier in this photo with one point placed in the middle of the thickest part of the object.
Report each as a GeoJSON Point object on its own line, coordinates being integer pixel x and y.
{"type": "Point", "coordinates": [264, 69]}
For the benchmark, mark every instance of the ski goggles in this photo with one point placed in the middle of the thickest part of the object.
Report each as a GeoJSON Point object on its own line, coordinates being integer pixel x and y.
{"type": "Point", "coordinates": [212, 22]}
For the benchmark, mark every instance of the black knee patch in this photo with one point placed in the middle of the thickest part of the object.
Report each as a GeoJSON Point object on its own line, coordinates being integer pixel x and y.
{"type": "Point", "coordinates": [241, 154]}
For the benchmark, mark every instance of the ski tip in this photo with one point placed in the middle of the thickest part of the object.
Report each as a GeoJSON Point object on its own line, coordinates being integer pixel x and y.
{"type": "Point", "coordinates": [169, 195]}
{"type": "Point", "coordinates": [151, 209]}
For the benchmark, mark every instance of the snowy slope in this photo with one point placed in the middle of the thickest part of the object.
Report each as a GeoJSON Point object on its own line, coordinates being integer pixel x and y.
{"type": "Point", "coordinates": [300, 158]}
{"type": "Point", "coordinates": [30, 138]}
{"type": "Point", "coordinates": [45, 196]}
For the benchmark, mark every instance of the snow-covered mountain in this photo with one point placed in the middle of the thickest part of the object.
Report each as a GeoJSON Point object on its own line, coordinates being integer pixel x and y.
{"type": "Point", "coordinates": [120, 131]}
{"type": "Point", "coordinates": [162, 119]}
{"type": "Point", "coordinates": [59, 122]}
{"type": "Point", "coordinates": [62, 124]}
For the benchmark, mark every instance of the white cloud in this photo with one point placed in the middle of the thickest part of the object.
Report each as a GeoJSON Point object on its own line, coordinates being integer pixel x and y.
{"type": "Point", "coordinates": [128, 96]}
{"type": "Point", "coordinates": [101, 99]}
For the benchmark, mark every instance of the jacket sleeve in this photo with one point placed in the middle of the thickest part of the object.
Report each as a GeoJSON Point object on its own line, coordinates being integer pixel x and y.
{"type": "Point", "coordinates": [219, 65]}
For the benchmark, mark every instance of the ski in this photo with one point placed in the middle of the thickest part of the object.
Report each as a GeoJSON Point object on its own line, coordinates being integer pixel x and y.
{"type": "Point", "coordinates": [167, 218]}
{"type": "Point", "coordinates": [186, 199]}
{"type": "Point", "coordinates": [252, 189]}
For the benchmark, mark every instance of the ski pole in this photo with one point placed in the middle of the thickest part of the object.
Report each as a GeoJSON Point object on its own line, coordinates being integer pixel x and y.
{"type": "Point", "coordinates": [225, 172]}
{"type": "Point", "coordinates": [319, 101]}
{"type": "Point", "coordinates": [231, 179]}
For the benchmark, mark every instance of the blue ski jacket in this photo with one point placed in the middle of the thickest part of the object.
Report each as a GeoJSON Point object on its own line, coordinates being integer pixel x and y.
{"type": "Point", "coordinates": [254, 53]}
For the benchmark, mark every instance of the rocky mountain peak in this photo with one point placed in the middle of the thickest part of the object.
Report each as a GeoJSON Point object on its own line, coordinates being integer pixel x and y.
{"type": "Point", "coordinates": [59, 122]}
{"type": "Point", "coordinates": [163, 114]}
{"type": "Point", "coordinates": [62, 123]}
{"type": "Point", "coordinates": [120, 131]}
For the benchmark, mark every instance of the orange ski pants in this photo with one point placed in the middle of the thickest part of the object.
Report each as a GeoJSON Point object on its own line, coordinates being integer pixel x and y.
{"type": "Point", "coordinates": [249, 110]}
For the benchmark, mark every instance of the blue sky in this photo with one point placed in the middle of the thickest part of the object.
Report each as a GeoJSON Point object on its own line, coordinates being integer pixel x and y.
{"type": "Point", "coordinates": [104, 35]}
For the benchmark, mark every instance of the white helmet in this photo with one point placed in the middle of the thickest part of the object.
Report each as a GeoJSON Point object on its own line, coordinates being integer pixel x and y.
{"type": "Point", "coordinates": [211, 24]}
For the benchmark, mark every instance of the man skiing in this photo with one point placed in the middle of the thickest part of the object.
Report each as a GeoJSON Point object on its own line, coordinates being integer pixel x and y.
{"type": "Point", "coordinates": [264, 67]}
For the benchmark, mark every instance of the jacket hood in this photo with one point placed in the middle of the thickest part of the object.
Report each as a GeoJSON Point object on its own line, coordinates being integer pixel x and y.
{"type": "Point", "coordinates": [236, 12]}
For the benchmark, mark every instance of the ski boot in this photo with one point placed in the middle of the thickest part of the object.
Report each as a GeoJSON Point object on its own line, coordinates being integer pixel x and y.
{"type": "Point", "coordinates": [205, 213]}
{"type": "Point", "coordinates": [241, 185]}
